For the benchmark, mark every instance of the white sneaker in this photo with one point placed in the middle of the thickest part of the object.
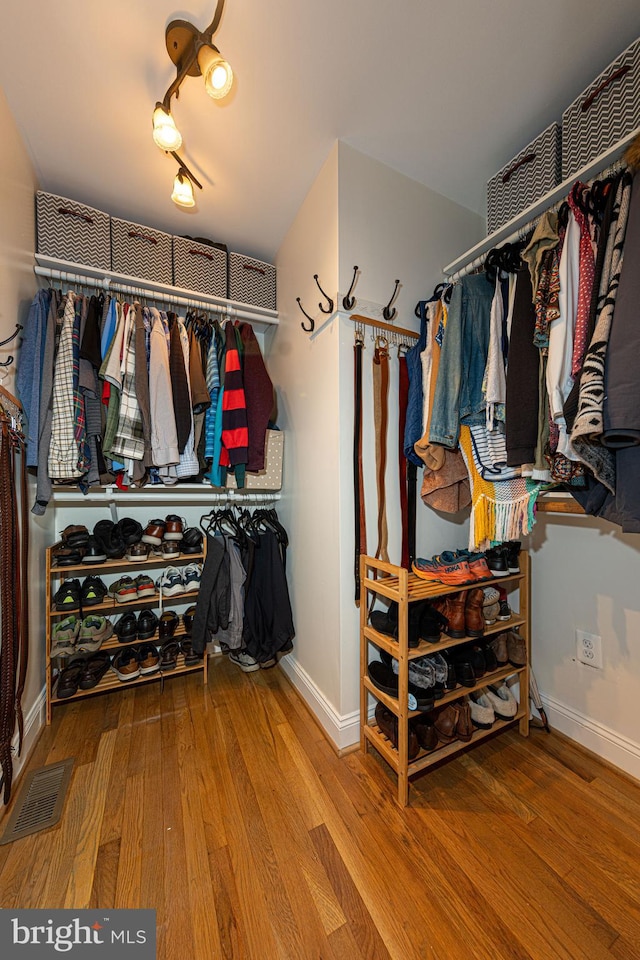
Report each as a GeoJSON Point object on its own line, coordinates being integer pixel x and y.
{"type": "Point", "coordinates": [191, 575]}
{"type": "Point", "coordinates": [171, 582]}
{"type": "Point", "coordinates": [244, 660]}
{"type": "Point", "coordinates": [502, 700]}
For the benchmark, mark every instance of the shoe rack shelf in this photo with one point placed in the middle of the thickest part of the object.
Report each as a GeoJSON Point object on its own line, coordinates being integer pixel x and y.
{"type": "Point", "coordinates": [56, 575]}
{"type": "Point", "coordinates": [404, 587]}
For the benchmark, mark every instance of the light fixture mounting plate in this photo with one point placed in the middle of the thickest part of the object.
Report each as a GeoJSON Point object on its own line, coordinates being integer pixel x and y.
{"type": "Point", "coordinates": [180, 37]}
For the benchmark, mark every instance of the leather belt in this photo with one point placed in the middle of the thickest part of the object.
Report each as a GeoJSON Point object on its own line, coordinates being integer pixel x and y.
{"type": "Point", "coordinates": [358, 477]}
{"type": "Point", "coordinates": [403, 402]}
{"type": "Point", "coordinates": [381, 416]}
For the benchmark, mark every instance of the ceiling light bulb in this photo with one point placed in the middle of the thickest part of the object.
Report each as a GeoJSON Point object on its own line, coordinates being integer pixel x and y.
{"type": "Point", "coordinates": [216, 71]}
{"type": "Point", "coordinates": [165, 133]}
{"type": "Point", "coordinates": [183, 191]}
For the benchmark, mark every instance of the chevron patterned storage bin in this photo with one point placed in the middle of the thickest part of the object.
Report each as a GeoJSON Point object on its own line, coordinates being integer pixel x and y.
{"type": "Point", "coordinates": [604, 113]}
{"type": "Point", "coordinates": [199, 266]}
{"type": "Point", "coordinates": [252, 281]}
{"type": "Point", "coordinates": [72, 231]}
{"type": "Point", "coordinates": [271, 477]}
{"type": "Point", "coordinates": [140, 251]}
{"type": "Point", "coordinates": [526, 178]}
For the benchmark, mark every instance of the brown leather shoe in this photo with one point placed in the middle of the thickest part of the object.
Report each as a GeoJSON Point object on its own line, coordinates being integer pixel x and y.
{"type": "Point", "coordinates": [474, 613]}
{"type": "Point", "coordinates": [499, 646]}
{"type": "Point", "coordinates": [464, 727]}
{"type": "Point", "coordinates": [516, 649]}
{"type": "Point", "coordinates": [173, 527]}
{"type": "Point", "coordinates": [452, 607]}
{"type": "Point", "coordinates": [425, 732]}
{"type": "Point", "coordinates": [154, 532]}
{"type": "Point", "coordinates": [445, 722]}
{"type": "Point", "coordinates": [388, 723]}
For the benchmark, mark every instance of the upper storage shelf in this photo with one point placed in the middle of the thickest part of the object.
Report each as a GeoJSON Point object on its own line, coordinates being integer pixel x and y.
{"type": "Point", "coordinates": [507, 230]}
{"type": "Point", "coordinates": [259, 317]}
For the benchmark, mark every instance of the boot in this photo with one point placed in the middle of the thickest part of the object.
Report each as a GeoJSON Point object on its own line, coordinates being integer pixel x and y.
{"type": "Point", "coordinates": [425, 732]}
{"type": "Point", "coordinates": [432, 623]}
{"type": "Point", "coordinates": [474, 613]}
{"type": "Point", "coordinates": [388, 723]}
{"type": "Point", "coordinates": [499, 646]}
{"type": "Point", "coordinates": [445, 722]}
{"type": "Point", "coordinates": [516, 649]}
{"type": "Point", "coordinates": [452, 607]}
{"type": "Point", "coordinates": [464, 726]}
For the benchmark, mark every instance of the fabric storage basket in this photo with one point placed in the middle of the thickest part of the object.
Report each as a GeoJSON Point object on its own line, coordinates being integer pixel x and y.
{"type": "Point", "coordinates": [72, 231]}
{"type": "Point", "coordinates": [252, 281]}
{"type": "Point", "coordinates": [604, 113]}
{"type": "Point", "coordinates": [271, 477]}
{"type": "Point", "coordinates": [200, 266]}
{"type": "Point", "coordinates": [531, 174]}
{"type": "Point", "coordinates": [140, 251]}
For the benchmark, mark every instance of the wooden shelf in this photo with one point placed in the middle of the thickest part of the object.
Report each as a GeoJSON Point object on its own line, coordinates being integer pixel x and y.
{"type": "Point", "coordinates": [111, 566]}
{"type": "Point", "coordinates": [404, 587]}
{"type": "Point", "coordinates": [114, 644]}
{"type": "Point", "coordinates": [111, 605]}
{"type": "Point", "coordinates": [424, 760]}
{"type": "Point", "coordinates": [111, 682]}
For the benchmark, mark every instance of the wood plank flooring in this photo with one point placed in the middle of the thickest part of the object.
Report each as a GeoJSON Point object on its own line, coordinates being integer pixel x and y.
{"type": "Point", "coordinates": [226, 810]}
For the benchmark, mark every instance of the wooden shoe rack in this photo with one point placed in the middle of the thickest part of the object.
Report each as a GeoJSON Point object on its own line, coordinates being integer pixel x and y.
{"type": "Point", "coordinates": [398, 584]}
{"type": "Point", "coordinates": [111, 570]}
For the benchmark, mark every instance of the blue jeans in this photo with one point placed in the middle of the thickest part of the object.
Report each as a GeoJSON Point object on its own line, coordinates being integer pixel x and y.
{"type": "Point", "coordinates": [458, 395]}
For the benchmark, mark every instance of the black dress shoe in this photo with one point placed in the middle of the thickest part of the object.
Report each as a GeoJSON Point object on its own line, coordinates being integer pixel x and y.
{"type": "Point", "coordinates": [451, 682]}
{"type": "Point", "coordinates": [147, 624]}
{"type": "Point", "coordinates": [464, 670]}
{"type": "Point", "coordinates": [126, 629]}
{"type": "Point", "coordinates": [110, 539]}
{"type": "Point", "coordinates": [478, 661]}
{"type": "Point", "coordinates": [94, 551]}
{"type": "Point", "coordinates": [490, 660]}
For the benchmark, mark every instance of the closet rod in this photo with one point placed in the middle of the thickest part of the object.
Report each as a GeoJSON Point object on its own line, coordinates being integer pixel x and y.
{"type": "Point", "coordinates": [104, 283]}
{"type": "Point", "coordinates": [381, 325]}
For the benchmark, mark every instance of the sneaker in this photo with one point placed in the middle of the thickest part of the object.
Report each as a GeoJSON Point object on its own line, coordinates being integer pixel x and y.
{"type": "Point", "coordinates": [125, 664]}
{"type": "Point", "coordinates": [504, 703]}
{"type": "Point", "coordinates": [174, 528]}
{"type": "Point", "coordinates": [191, 575]}
{"type": "Point", "coordinates": [93, 633]}
{"type": "Point", "coordinates": [498, 561]}
{"type": "Point", "coordinates": [491, 605]}
{"type": "Point", "coordinates": [154, 532]}
{"type": "Point", "coordinates": [445, 568]}
{"type": "Point", "coordinates": [477, 564]}
{"type": "Point", "coordinates": [123, 590]}
{"type": "Point", "coordinates": [171, 582]}
{"type": "Point", "coordinates": [505, 610]}
{"type": "Point", "coordinates": [94, 551]}
{"type": "Point", "coordinates": [138, 552]}
{"type": "Point", "coordinates": [67, 596]}
{"type": "Point", "coordinates": [244, 660]}
{"type": "Point", "coordinates": [92, 591]}
{"type": "Point", "coordinates": [145, 587]}
{"type": "Point", "coordinates": [148, 658]}
{"type": "Point", "coordinates": [64, 635]}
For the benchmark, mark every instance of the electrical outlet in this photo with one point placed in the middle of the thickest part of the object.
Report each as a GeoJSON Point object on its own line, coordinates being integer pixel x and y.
{"type": "Point", "coordinates": [589, 649]}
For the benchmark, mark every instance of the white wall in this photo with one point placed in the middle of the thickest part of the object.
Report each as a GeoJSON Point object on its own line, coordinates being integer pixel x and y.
{"type": "Point", "coordinates": [392, 227]}
{"type": "Point", "coordinates": [306, 372]}
{"type": "Point", "coordinates": [585, 576]}
{"type": "Point", "coordinates": [17, 286]}
{"type": "Point", "coordinates": [358, 212]}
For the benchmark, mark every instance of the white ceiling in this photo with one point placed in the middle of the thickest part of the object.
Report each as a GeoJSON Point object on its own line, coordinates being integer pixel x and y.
{"type": "Point", "coordinates": [445, 92]}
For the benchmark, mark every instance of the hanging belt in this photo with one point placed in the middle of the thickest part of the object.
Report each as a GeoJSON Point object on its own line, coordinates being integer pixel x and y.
{"type": "Point", "coordinates": [381, 416]}
{"type": "Point", "coordinates": [360, 539]}
{"type": "Point", "coordinates": [403, 402]}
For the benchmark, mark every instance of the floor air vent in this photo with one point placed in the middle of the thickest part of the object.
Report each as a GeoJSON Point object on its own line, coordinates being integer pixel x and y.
{"type": "Point", "coordinates": [40, 801]}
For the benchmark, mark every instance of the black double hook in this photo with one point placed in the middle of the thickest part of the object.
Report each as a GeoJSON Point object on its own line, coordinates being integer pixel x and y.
{"type": "Point", "coordinates": [328, 309]}
{"type": "Point", "coordinates": [387, 312]}
{"type": "Point", "coordinates": [9, 360]}
{"type": "Point", "coordinates": [349, 302]}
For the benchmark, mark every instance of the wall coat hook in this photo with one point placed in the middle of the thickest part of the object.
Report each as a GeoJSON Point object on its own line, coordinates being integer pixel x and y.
{"type": "Point", "coordinates": [349, 302]}
{"type": "Point", "coordinates": [312, 322]}
{"type": "Point", "coordinates": [328, 309]}
{"type": "Point", "coordinates": [8, 361]}
{"type": "Point", "coordinates": [13, 335]}
{"type": "Point", "coordinates": [387, 312]}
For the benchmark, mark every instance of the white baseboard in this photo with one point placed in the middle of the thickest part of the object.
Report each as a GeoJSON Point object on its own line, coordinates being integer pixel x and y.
{"type": "Point", "coordinates": [343, 731]}
{"type": "Point", "coordinates": [34, 721]}
{"type": "Point", "coordinates": [617, 749]}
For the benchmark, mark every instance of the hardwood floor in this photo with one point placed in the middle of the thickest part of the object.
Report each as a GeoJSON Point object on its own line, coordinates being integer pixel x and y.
{"type": "Point", "coordinates": [226, 809]}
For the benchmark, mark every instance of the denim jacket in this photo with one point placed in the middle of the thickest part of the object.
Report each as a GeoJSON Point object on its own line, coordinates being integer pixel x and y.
{"type": "Point", "coordinates": [413, 425]}
{"type": "Point", "coordinates": [458, 395]}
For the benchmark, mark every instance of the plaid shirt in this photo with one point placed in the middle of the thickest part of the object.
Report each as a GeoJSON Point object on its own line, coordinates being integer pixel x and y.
{"type": "Point", "coordinates": [129, 438]}
{"type": "Point", "coordinates": [63, 450]}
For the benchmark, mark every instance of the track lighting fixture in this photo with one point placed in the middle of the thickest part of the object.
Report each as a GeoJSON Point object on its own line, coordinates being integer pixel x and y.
{"type": "Point", "coordinates": [194, 54]}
